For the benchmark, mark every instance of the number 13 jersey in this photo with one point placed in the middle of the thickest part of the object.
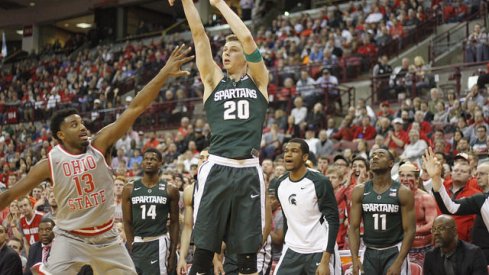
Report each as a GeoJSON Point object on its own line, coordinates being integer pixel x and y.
{"type": "Point", "coordinates": [236, 113]}
{"type": "Point", "coordinates": [83, 187]}
{"type": "Point", "coordinates": [382, 218]}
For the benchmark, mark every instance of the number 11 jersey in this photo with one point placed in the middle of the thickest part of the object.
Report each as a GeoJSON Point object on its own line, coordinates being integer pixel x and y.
{"type": "Point", "coordinates": [382, 218]}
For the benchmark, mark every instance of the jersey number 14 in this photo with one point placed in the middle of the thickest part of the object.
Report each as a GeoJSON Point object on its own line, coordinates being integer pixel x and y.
{"type": "Point", "coordinates": [150, 213]}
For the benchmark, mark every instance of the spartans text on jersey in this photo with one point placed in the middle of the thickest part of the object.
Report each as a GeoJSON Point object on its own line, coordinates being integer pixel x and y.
{"type": "Point", "coordinates": [381, 207]}
{"type": "Point", "coordinates": [235, 93]}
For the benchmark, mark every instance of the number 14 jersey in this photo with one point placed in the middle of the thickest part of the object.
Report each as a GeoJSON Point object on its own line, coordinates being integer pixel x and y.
{"type": "Point", "coordinates": [150, 209]}
{"type": "Point", "coordinates": [382, 218]}
{"type": "Point", "coordinates": [236, 113]}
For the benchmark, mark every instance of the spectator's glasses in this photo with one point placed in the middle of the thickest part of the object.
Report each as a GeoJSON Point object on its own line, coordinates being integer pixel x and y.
{"type": "Point", "coordinates": [441, 229]}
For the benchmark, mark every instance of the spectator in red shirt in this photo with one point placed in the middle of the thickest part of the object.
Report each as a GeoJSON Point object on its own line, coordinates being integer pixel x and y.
{"type": "Point", "coordinates": [458, 189]}
{"type": "Point", "coordinates": [345, 132]}
{"type": "Point", "coordinates": [366, 131]}
{"type": "Point", "coordinates": [29, 223]}
{"type": "Point", "coordinates": [398, 138]}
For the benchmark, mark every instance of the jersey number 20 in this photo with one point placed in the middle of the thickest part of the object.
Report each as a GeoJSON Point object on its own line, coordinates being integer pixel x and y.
{"type": "Point", "coordinates": [239, 109]}
{"type": "Point", "coordinates": [151, 212]}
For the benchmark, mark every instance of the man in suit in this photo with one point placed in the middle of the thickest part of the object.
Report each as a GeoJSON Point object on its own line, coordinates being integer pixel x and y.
{"type": "Point", "coordinates": [9, 259]}
{"type": "Point", "coordinates": [39, 251]}
{"type": "Point", "coordinates": [452, 256]}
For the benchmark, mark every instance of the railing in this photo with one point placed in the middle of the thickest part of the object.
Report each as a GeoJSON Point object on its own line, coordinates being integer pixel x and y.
{"type": "Point", "coordinates": [455, 35]}
{"type": "Point", "coordinates": [383, 90]}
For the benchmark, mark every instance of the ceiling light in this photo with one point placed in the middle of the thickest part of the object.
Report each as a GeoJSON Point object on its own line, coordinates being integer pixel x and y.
{"type": "Point", "coordinates": [32, 4]}
{"type": "Point", "coordinates": [83, 25]}
{"type": "Point", "coordinates": [20, 32]}
{"type": "Point", "coordinates": [67, 25]}
{"type": "Point", "coordinates": [286, 13]}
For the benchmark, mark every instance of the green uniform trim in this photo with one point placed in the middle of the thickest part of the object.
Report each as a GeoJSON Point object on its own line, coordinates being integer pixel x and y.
{"type": "Point", "coordinates": [254, 57]}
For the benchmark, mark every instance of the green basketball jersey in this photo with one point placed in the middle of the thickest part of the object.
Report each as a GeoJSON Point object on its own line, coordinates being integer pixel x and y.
{"type": "Point", "coordinates": [382, 218]}
{"type": "Point", "coordinates": [150, 208]}
{"type": "Point", "coordinates": [236, 113]}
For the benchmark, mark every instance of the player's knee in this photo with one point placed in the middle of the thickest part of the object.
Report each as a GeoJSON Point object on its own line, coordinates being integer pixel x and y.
{"type": "Point", "coordinates": [202, 261]}
{"type": "Point", "coordinates": [247, 263]}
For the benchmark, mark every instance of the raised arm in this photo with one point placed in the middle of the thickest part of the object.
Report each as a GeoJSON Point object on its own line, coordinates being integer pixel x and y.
{"type": "Point", "coordinates": [186, 231]}
{"type": "Point", "coordinates": [354, 230]}
{"type": "Point", "coordinates": [210, 72]}
{"type": "Point", "coordinates": [127, 215]}
{"type": "Point", "coordinates": [406, 199]}
{"type": "Point", "coordinates": [174, 196]}
{"type": "Point", "coordinates": [257, 68]}
{"type": "Point", "coordinates": [114, 131]}
{"type": "Point", "coordinates": [38, 173]}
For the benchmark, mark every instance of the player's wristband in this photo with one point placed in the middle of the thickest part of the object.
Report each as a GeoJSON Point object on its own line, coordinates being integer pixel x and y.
{"type": "Point", "coordinates": [254, 57]}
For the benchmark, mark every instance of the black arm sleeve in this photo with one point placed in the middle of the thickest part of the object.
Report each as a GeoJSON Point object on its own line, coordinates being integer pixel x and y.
{"type": "Point", "coordinates": [329, 209]}
{"type": "Point", "coordinates": [467, 206]}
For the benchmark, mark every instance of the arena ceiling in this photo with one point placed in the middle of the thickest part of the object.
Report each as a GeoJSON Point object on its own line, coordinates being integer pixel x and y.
{"type": "Point", "coordinates": [64, 14]}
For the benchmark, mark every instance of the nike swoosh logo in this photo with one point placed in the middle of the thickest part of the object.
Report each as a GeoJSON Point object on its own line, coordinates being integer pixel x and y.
{"type": "Point", "coordinates": [200, 273]}
{"type": "Point", "coordinates": [137, 188]}
{"type": "Point", "coordinates": [302, 188]}
{"type": "Point", "coordinates": [153, 262]}
{"type": "Point", "coordinates": [317, 264]}
{"type": "Point", "coordinates": [366, 193]}
{"type": "Point", "coordinates": [254, 196]}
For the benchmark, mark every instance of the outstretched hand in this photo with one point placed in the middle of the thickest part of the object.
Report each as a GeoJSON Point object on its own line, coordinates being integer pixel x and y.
{"type": "Point", "coordinates": [171, 2]}
{"type": "Point", "coordinates": [177, 58]}
{"type": "Point", "coordinates": [432, 164]}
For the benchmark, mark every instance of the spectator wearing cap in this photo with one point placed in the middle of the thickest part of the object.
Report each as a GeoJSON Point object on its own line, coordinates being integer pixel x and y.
{"type": "Point", "coordinates": [397, 138]}
{"type": "Point", "coordinates": [365, 131]}
{"type": "Point", "coordinates": [385, 110]}
{"type": "Point", "coordinates": [416, 147]}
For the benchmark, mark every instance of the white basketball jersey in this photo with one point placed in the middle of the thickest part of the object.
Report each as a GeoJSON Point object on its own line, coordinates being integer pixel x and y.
{"type": "Point", "coordinates": [83, 187]}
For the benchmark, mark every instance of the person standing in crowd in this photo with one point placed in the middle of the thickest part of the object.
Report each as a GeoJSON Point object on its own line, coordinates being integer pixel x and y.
{"type": "Point", "coordinates": [146, 205]}
{"type": "Point", "coordinates": [309, 205]}
{"type": "Point", "coordinates": [426, 212]}
{"type": "Point", "coordinates": [389, 220]}
{"type": "Point", "coordinates": [232, 179]}
{"type": "Point", "coordinates": [83, 184]}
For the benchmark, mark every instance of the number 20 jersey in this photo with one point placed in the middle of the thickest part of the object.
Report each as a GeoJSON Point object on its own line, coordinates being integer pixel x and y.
{"type": "Point", "coordinates": [236, 113]}
{"type": "Point", "coordinates": [83, 187]}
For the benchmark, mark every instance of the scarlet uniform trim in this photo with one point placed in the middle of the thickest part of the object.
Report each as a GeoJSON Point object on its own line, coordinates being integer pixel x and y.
{"type": "Point", "coordinates": [96, 230]}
